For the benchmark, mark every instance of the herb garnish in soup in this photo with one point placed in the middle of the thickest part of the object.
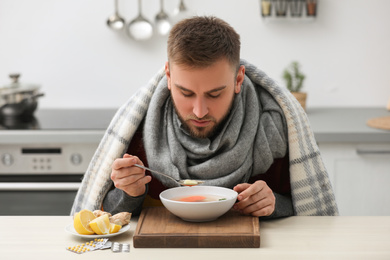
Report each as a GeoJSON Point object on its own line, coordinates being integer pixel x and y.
{"type": "Point", "coordinates": [199, 198]}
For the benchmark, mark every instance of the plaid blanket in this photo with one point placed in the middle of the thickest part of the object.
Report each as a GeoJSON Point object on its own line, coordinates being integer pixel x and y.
{"type": "Point", "coordinates": [311, 189]}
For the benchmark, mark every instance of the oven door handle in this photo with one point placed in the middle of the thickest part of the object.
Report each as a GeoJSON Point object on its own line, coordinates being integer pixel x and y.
{"type": "Point", "coordinates": [39, 186]}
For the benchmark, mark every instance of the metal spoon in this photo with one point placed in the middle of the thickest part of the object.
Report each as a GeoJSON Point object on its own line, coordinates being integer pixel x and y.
{"type": "Point", "coordinates": [140, 28]}
{"type": "Point", "coordinates": [115, 21]}
{"type": "Point", "coordinates": [180, 182]}
{"type": "Point", "coordinates": [162, 22]}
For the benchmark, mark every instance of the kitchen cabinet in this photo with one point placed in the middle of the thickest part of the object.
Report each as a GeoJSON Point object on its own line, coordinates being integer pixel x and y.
{"type": "Point", "coordinates": [360, 175]}
{"type": "Point", "coordinates": [356, 157]}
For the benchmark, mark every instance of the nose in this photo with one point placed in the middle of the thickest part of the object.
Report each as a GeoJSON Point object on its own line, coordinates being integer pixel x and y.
{"type": "Point", "coordinates": [200, 108]}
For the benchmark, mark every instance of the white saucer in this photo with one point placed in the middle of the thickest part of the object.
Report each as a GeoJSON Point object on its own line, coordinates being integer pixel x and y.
{"type": "Point", "coordinates": [70, 229]}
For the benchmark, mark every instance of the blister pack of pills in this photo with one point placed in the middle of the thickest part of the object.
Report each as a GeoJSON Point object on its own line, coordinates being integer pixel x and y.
{"type": "Point", "coordinates": [98, 243]}
{"type": "Point", "coordinates": [118, 247]}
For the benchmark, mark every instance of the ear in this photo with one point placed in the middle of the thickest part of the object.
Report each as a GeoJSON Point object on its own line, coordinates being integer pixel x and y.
{"type": "Point", "coordinates": [239, 79]}
{"type": "Point", "coordinates": [168, 74]}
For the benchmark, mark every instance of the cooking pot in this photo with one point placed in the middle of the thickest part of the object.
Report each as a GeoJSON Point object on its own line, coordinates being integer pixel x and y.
{"type": "Point", "coordinates": [18, 100]}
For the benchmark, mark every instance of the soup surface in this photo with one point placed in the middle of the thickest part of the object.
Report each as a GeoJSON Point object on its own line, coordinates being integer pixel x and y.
{"type": "Point", "coordinates": [199, 198]}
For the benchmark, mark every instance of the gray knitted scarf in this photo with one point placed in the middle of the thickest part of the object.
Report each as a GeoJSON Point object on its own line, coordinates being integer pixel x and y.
{"type": "Point", "coordinates": [311, 190]}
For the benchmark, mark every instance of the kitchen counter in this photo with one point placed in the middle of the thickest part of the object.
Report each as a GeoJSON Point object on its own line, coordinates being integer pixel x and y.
{"type": "Point", "coordinates": [57, 125]}
{"type": "Point", "coordinates": [347, 125]}
{"type": "Point", "coordinates": [44, 237]}
{"type": "Point", "coordinates": [89, 125]}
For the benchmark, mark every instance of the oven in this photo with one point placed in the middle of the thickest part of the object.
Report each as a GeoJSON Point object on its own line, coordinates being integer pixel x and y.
{"type": "Point", "coordinates": [43, 159]}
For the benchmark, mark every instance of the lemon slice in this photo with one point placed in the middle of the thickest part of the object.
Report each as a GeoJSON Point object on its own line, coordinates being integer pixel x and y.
{"type": "Point", "coordinates": [101, 225]}
{"type": "Point", "coordinates": [81, 222]}
{"type": "Point", "coordinates": [114, 228]}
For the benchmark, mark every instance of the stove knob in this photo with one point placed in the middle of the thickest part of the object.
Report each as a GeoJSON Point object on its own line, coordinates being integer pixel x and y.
{"type": "Point", "coordinates": [7, 159]}
{"type": "Point", "coordinates": [76, 158]}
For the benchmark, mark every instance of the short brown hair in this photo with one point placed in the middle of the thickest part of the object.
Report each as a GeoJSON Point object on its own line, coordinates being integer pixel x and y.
{"type": "Point", "coordinates": [202, 40]}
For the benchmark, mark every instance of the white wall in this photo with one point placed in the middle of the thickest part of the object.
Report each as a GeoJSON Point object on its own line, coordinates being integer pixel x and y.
{"type": "Point", "coordinates": [65, 46]}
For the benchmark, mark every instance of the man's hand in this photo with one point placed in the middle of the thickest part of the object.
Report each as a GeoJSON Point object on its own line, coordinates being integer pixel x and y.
{"type": "Point", "coordinates": [127, 177]}
{"type": "Point", "coordinates": [255, 199]}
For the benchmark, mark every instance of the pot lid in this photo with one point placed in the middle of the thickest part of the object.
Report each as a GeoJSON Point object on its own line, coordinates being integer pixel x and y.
{"type": "Point", "coordinates": [16, 87]}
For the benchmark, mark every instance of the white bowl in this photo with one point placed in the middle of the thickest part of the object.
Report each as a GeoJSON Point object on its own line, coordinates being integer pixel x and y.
{"type": "Point", "coordinates": [198, 211]}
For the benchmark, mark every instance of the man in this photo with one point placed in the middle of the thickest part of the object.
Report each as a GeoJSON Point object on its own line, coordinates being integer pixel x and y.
{"type": "Point", "coordinates": [206, 119]}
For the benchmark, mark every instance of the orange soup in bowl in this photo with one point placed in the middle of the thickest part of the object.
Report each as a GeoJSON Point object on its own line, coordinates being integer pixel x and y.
{"type": "Point", "coordinates": [199, 198]}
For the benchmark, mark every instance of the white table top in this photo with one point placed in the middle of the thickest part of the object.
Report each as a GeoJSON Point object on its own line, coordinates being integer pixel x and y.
{"type": "Point", "coordinates": [44, 237]}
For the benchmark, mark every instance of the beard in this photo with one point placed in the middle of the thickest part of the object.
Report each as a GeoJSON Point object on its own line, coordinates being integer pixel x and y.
{"type": "Point", "coordinates": [203, 132]}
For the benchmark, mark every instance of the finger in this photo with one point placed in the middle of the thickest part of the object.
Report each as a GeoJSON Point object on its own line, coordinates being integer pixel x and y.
{"type": "Point", "coordinates": [122, 179]}
{"type": "Point", "coordinates": [138, 184]}
{"type": "Point", "coordinates": [137, 188]}
{"type": "Point", "coordinates": [266, 211]}
{"type": "Point", "coordinates": [126, 161]}
{"type": "Point", "coordinates": [252, 189]}
{"type": "Point", "coordinates": [262, 207]}
{"type": "Point", "coordinates": [146, 179]}
{"type": "Point", "coordinates": [123, 163]}
{"type": "Point", "coordinates": [132, 180]}
{"type": "Point", "coordinates": [243, 203]}
{"type": "Point", "coordinates": [137, 160]}
{"type": "Point", "coordinates": [241, 187]}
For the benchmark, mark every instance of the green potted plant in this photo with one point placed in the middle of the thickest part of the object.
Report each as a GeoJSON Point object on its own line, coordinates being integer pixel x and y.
{"type": "Point", "coordinates": [294, 81]}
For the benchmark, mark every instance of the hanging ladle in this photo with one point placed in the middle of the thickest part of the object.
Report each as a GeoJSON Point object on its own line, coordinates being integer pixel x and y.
{"type": "Point", "coordinates": [162, 22]}
{"type": "Point", "coordinates": [181, 12]}
{"type": "Point", "coordinates": [181, 8]}
{"type": "Point", "coordinates": [140, 28]}
{"type": "Point", "coordinates": [115, 21]}
{"type": "Point", "coordinates": [180, 182]}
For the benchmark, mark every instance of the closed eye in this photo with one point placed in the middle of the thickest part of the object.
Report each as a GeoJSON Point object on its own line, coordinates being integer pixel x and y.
{"type": "Point", "coordinates": [215, 95]}
{"type": "Point", "coordinates": [216, 92]}
{"type": "Point", "coordinates": [187, 93]}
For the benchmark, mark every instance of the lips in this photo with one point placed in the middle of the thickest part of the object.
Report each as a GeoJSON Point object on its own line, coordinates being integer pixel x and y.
{"type": "Point", "coordinates": [200, 123]}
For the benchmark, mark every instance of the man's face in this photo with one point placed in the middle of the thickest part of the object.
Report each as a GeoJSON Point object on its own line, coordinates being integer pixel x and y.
{"type": "Point", "coordinates": [203, 96]}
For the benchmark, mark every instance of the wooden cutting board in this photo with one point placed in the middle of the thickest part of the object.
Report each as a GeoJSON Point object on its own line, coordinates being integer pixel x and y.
{"type": "Point", "coordinates": [158, 228]}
